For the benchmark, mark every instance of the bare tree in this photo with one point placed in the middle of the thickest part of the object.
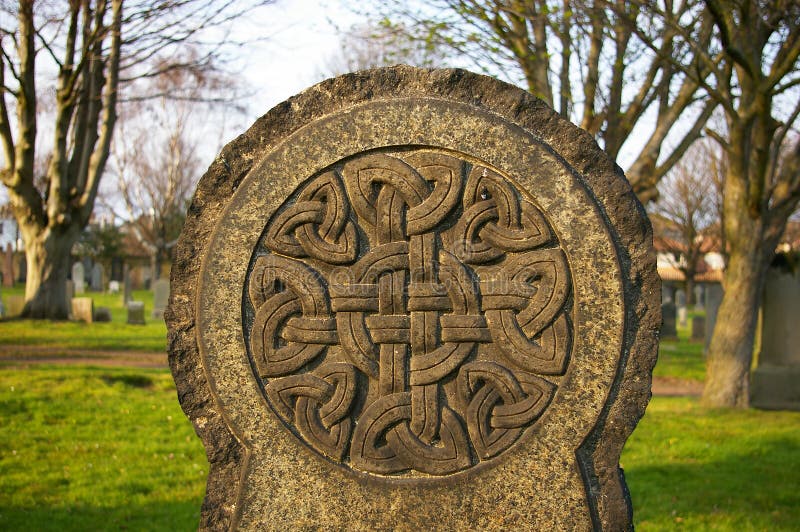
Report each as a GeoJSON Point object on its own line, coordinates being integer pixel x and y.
{"type": "Point", "coordinates": [753, 65]}
{"type": "Point", "coordinates": [94, 52]}
{"type": "Point", "coordinates": [583, 59]}
{"type": "Point", "coordinates": [686, 214]}
{"type": "Point", "coordinates": [156, 170]}
{"type": "Point", "coordinates": [364, 46]}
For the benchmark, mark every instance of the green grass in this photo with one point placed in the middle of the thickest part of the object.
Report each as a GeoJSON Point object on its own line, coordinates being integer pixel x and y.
{"type": "Point", "coordinates": [113, 335]}
{"type": "Point", "coordinates": [689, 468]}
{"type": "Point", "coordinates": [682, 358]}
{"type": "Point", "coordinates": [108, 449]}
{"type": "Point", "coordinates": [96, 449]}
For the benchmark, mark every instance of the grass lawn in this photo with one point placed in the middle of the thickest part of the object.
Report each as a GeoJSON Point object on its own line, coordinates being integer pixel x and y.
{"type": "Point", "coordinates": [113, 335]}
{"type": "Point", "coordinates": [681, 358]}
{"type": "Point", "coordinates": [689, 468]}
{"type": "Point", "coordinates": [108, 449]}
{"type": "Point", "coordinates": [96, 449]}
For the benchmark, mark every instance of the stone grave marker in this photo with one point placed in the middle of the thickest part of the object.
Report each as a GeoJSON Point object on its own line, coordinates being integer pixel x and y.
{"type": "Point", "coordinates": [160, 297]}
{"type": "Point", "coordinates": [775, 382]}
{"type": "Point", "coordinates": [102, 314]}
{"type": "Point", "coordinates": [714, 295]}
{"type": "Point", "coordinates": [698, 328]}
{"type": "Point", "coordinates": [135, 312]}
{"type": "Point", "coordinates": [96, 282]}
{"type": "Point", "coordinates": [680, 306]}
{"type": "Point", "coordinates": [668, 329]}
{"type": "Point", "coordinates": [699, 294]}
{"type": "Point", "coordinates": [83, 309]}
{"type": "Point", "coordinates": [79, 277]}
{"type": "Point", "coordinates": [14, 305]}
{"type": "Point", "coordinates": [8, 266]}
{"type": "Point", "coordinates": [412, 293]}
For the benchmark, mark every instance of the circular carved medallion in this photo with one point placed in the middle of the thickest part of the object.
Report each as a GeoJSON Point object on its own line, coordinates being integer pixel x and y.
{"type": "Point", "coordinates": [408, 313]}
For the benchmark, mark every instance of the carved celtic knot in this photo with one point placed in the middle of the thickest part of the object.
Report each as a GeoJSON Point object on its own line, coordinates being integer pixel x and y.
{"type": "Point", "coordinates": [409, 313]}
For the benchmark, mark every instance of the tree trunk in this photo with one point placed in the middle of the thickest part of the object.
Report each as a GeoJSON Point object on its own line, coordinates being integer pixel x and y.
{"type": "Point", "coordinates": [731, 350]}
{"type": "Point", "coordinates": [689, 287]}
{"type": "Point", "coordinates": [48, 258]}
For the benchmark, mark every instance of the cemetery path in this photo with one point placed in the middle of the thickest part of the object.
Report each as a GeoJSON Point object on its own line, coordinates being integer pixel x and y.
{"type": "Point", "coordinates": [26, 355]}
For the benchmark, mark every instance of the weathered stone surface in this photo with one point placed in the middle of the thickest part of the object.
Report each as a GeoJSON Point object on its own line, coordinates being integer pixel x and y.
{"type": "Point", "coordinates": [699, 328]}
{"type": "Point", "coordinates": [421, 300]}
{"type": "Point", "coordinates": [668, 317]}
{"type": "Point", "coordinates": [102, 314]}
{"type": "Point", "coordinates": [160, 297]}
{"type": "Point", "coordinates": [775, 383]}
{"type": "Point", "coordinates": [83, 309]}
{"type": "Point", "coordinates": [79, 277]}
{"type": "Point", "coordinates": [135, 312]}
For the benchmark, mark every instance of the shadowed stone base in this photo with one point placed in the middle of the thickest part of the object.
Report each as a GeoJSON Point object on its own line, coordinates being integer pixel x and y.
{"type": "Point", "coordinates": [775, 388]}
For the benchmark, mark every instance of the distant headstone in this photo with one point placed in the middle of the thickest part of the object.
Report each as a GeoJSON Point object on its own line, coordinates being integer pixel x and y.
{"type": "Point", "coordinates": [699, 328]}
{"type": "Point", "coordinates": [113, 287]}
{"type": "Point", "coordinates": [102, 314]}
{"type": "Point", "coordinates": [135, 312]}
{"type": "Point", "coordinates": [97, 277]}
{"type": "Point", "coordinates": [666, 293]}
{"type": "Point", "coordinates": [83, 309]}
{"type": "Point", "coordinates": [160, 297]}
{"type": "Point", "coordinates": [699, 294]}
{"type": "Point", "coordinates": [14, 305]}
{"type": "Point", "coordinates": [668, 329]}
{"type": "Point", "coordinates": [422, 301]}
{"type": "Point", "coordinates": [714, 295]}
{"type": "Point", "coordinates": [680, 298]}
{"type": "Point", "coordinates": [79, 278]}
{"type": "Point", "coordinates": [775, 382]}
{"type": "Point", "coordinates": [8, 266]}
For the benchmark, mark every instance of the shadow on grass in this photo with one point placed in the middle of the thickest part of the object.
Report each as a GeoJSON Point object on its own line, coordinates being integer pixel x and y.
{"type": "Point", "coordinates": [167, 516]}
{"type": "Point", "coordinates": [135, 380]}
{"type": "Point", "coordinates": [721, 490]}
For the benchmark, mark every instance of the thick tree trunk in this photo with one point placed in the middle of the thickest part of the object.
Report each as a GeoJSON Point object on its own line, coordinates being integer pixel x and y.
{"type": "Point", "coordinates": [48, 258]}
{"type": "Point", "coordinates": [731, 350]}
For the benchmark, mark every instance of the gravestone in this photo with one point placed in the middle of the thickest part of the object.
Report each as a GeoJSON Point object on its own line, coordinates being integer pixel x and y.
{"type": "Point", "coordinates": [83, 309]}
{"type": "Point", "coordinates": [668, 329]}
{"type": "Point", "coordinates": [160, 297]}
{"type": "Point", "coordinates": [96, 282]}
{"type": "Point", "coordinates": [714, 295]}
{"type": "Point", "coordinates": [102, 314]}
{"type": "Point", "coordinates": [699, 294]}
{"type": "Point", "coordinates": [79, 277]}
{"type": "Point", "coordinates": [135, 312]}
{"type": "Point", "coordinates": [680, 305]}
{"type": "Point", "coordinates": [8, 266]}
{"type": "Point", "coordinates": [422, 301]}
{"type": "Point", "coordinates": [699, 328]}
{"type": "Point", "coordinates": [775, 382]}
{"type": "Point", "coordinates": [666, 293]}
{"type": "Point", "coordinates": [14, 305]}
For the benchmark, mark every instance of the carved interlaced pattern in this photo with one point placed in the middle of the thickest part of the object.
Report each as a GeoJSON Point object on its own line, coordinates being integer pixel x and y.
{"type": "Point", "coordinates": [405, 309]}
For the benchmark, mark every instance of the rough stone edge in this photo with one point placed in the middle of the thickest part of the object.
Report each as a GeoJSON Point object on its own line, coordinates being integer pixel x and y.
{"type": "Point", "coordinates": [631, 390]}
